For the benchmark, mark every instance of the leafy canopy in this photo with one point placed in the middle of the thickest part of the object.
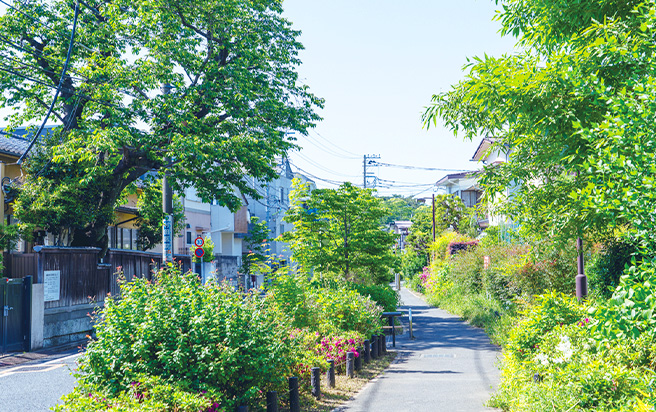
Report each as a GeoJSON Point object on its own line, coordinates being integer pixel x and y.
{"type": "Point", "coordinates": [575, 109]}
{"type": "Point", "coordinates": [338, 231]}
{"type": "Point", "coordinates": [234, 93]}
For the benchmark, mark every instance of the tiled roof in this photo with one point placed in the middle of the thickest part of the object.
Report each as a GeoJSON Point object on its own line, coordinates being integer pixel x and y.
{"type": "Point", "coordinates": [16, 142]}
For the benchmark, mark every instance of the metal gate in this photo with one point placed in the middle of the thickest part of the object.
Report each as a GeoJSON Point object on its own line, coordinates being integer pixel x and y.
{"type": "Point", "coordinates": [15, 314]}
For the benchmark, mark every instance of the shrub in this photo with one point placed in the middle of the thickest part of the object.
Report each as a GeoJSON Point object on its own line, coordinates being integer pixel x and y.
{"type": "Point", "coordinates": [383, 295]}
{"type": "Point", "coordinates": [195, 340]}
{"type": "Point", "coordinates": [412, 262]}
{"type": "Point", "coordinates": [456, 247]}
{"type": "Point", "coordinates": [438, 249]}
{"type": "Point", "coordinates": [605, 269]}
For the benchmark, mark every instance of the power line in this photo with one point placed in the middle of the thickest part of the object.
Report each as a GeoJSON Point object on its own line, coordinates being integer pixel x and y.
{"type": "Point", "coordinates": [64, 36]}
{"type": "Point", "coordinates": [61, 83]}
{"type": "Point", "coordinates": [326, 149]}
{"type": "Point", "coordinates": [418, 167]}
{"type": "Point", "coordinates": [334, 145]}
{"type": "Point", "coordinates": [325, 169]}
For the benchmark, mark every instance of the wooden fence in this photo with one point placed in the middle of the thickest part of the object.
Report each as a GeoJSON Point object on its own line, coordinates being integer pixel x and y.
{"type": "Point", "coordinates": [82, 279]}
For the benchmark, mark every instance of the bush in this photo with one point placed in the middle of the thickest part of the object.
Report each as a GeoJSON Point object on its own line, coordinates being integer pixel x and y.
{"type": "Point", "coordinates": [605, 269]}
{"type": "Point", "coordinates": [456, 247]}
{"type": "Point", "coordinates": [203, 344]}
{"type": "Point", "coordinates": [412, 263]}
{"type": "Point", "coordinates": [383, 295]}
{"type": "Point", "coordinates": [439, 248]}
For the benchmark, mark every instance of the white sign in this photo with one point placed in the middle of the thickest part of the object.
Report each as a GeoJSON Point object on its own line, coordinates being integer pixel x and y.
{"type": "Point", "coordinates": [51, 280]}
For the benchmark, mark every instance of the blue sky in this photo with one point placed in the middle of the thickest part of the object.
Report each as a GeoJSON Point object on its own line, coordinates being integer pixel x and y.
{"type": "Point", "coordinates": [377, 63]}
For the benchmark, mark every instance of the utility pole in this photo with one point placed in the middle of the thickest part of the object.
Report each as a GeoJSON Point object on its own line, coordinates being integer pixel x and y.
{"type": "Point", "coordinates": [433, 217]}
{"type": "Point", "coordinates": [167, 207]}
{"type": "Point", "coordinates": [581, 279]}
{"type": "Point", "coordinates": [368, 159]}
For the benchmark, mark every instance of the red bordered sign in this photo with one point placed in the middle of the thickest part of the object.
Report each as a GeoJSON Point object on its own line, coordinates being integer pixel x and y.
{"type": "Point", "coordinates": [199, 252]}
{"type": "Point", "coordinates": [199, 242]}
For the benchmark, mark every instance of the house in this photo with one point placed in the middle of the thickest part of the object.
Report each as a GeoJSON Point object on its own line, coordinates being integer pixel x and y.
{"type": "Point", "coordinates": [401, 228]}
{"type": "Point", "coordinates": [463, 185]}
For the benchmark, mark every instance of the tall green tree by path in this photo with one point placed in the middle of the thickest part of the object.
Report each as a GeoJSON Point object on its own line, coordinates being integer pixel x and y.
{"type": "Point", "coordinates": [339, 231]}
{"type": "Point", "coordinates": [234, 93]}
{"type": "Point", "coordinates": [400, 208]}
{"type": "Point", "coordinates": [575, 110]}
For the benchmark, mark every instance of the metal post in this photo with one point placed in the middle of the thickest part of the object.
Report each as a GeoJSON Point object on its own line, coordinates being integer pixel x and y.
{"type": "Point", "coordinates": [410, 322]}
{"type": "Point", "coordinates": [350, 356]}
{"type": "Point", "coordinates": [397, 279]}
{"type": "Point", "coordinates": [167, 207]}
{"type": "Point", "coordinates": [272, 401]}
{"type": "Point", "coordinates": [315, 382]}
{"type": "Point", "coordinates": [367, 351]}
{"type": "Point", "coordinates": [391, 323]}
{"type": "Point", "coordinates": [382, 344]}
{"type": "Point", "coordinates": [330, 375]}
{"type": "Point", "coordinates": [581, 279]}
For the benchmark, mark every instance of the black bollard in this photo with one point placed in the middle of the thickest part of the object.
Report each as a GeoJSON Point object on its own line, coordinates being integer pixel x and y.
{"type": "Point", "coordinates": [330, 375]}
{"type": "Point", "coordinates": [374, 346]}
{"type": "Point", "coordinates": [383, 344]}
{"type": "Point", "coordinates": [358, 360]}
{"type": "Point", "coordinates": [349, 364]}
{"type": "Point", "coordinates": [315, 382]}
{"type": "Point", "coordinates": [294, 401]}
{"type": "Point", "coordinates": [367, 351]}
{"type": "Point", "coordinates": [272, 401]}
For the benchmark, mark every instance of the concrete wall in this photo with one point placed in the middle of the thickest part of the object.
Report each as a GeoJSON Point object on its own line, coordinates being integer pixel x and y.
{"type": "Point", "coordinates": [36, 334]}
{"type": "Point", "coordinates": [67, 325]}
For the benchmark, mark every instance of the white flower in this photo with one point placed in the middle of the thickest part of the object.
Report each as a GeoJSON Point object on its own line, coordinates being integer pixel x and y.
{"type": "Point", "coordinates": [542, 358]}
{"type": "Point", "coordinates": [565, 347]}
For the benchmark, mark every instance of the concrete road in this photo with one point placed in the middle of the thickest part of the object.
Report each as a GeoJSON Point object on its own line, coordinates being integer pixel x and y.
{"type": "Point", "coordinates": [37, 386]}
{"type": "Point", "coordinates": [449, 367]}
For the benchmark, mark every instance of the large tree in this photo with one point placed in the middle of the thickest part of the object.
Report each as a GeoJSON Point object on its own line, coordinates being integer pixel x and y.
{"type": "Point", "coordinates": [234, 93]}
{"type": "Point", "coordinates": [339, 231]}
{"type": "Point", "coordinates": [575, 109]}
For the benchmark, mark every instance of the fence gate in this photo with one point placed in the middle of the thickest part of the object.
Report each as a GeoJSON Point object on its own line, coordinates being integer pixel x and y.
{"type": "Point", "coordinates": [15, 314]}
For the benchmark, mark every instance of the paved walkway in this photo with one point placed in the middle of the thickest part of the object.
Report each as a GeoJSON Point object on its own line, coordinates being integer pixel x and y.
{"type": "Point", "coordinates": [449, 367]}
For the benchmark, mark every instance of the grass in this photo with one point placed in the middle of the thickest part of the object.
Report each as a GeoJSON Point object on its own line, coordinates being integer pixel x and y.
{"type": "Point", "coordinates": [345, 389]}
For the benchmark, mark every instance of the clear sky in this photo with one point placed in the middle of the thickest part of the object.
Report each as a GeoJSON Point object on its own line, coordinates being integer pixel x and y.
{"type": "Point", "coordinates": [377, 63]}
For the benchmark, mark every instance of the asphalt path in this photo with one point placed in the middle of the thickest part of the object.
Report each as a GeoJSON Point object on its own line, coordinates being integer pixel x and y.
{"type": "Point", "coordinates": [37, 386]}
{"type": "Point", "coordinates": [450, 366]}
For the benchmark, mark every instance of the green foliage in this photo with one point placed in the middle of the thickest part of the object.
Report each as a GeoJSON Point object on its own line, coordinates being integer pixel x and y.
{"type": "Point", "coordinates": [10, 235]}
{"type": "Point", "coordinates": [629, 313]}
{"type": "Point", "coordinates": [383, 295]}
{"type": "Point", "coordinates": [412, 263]}
{"type": "Point", "coordinates": [338, 231]}
{"type": "Point", "coordinates": [191, 337]}
{"type": "Point", "coordinates": [439, 249]}
{"type": "Point", "coordinates": [256, 242]}
{"type": "Point", "coordinates": [605, 269]}
{"type": "Point", "coordinates": [234, 91]}
{"type": "Point", "coordinates": [150, 215]}
{"type": "Point", "coordinates": [573, 111]}
{"type": "Point", "coordinates": [400, 208]}
{"type": "Point", "coordinates": [328, 308]}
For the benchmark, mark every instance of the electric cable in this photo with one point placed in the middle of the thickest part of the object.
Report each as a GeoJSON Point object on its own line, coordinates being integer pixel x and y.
{"type": "Point", "coordinates": [61, 82]}
{"type": "Point", "coordinates": [334, 145]}
{"type": "Point", "coordinates": [325, 169]}
{"type": "Point", "coordinates": [417, 167]}
{"type": "Point", "coordinates": [65, 36]}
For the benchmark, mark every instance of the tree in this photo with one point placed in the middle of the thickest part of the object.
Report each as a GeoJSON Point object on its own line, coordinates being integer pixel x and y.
{"type": "Point", "coordinates": [339, 231]}
{"type": "Point", "coordinates": [234, 93]}
{"type": "Point", "coordinates": [400, 208]}
{"type": "Point", "coordinates": [575, 109]}
{"type": "Point", "coordinates": [257, 244]}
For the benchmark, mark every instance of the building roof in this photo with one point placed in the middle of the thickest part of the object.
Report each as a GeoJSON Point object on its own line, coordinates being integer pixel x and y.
{"type": "Point", "coordinates": [15, 143]}
{"type": "Point", "coordinates": [402, 224]}
{"type": "Point", "coordinates": [454, 177]}
{"type": "Point", "coordinates": [482, 149]}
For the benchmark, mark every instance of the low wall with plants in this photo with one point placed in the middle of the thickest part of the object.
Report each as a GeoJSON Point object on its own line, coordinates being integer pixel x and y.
{"type": "Point", "coordinates": [175, 344]}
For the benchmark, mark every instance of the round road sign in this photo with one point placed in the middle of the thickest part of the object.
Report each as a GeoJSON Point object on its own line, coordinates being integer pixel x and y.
{"type": "Point", "coordinates": [199, 242]}
{"type": "Point", "coordinates": [199, 252]}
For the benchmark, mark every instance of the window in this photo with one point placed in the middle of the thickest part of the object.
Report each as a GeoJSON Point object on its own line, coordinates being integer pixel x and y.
{"type": "Point", "coordinates": [282, 194]}
{"type": "Point", "coordinates": [127, 239]}
{"type": "Point", "coordinates": [188, 238]}
{"type": "Point", "coordinates": [282, 229]}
